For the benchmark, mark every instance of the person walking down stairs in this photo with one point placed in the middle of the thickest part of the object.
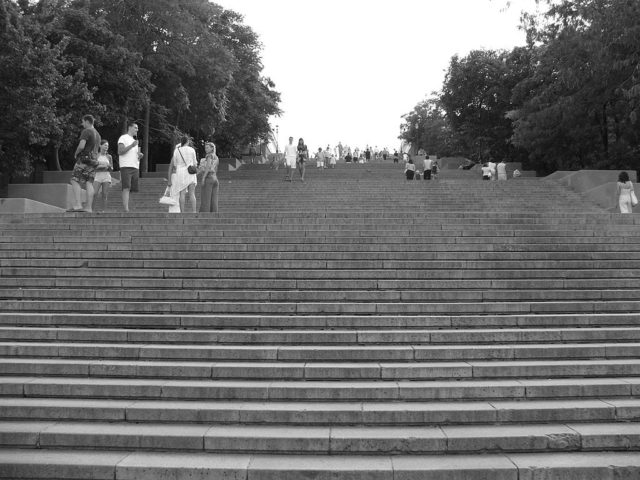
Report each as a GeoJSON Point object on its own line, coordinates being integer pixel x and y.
{"type": "Point", "coordinates": [320, 158]}
{"type": "Point", "coordinates": [303, 156]}
{"type": "Point", "coordinates": [290, 156]}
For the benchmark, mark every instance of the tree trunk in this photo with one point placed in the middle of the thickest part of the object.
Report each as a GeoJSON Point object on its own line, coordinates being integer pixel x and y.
{"type": "Point", "coordinates": [56, 158]}
{"type": "Point", "coordinates": [145, 141]}
{"type": "Point", "coordinates": [605, 131]}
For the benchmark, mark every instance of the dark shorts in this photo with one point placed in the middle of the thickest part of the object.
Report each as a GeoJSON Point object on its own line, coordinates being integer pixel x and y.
{"type": "Point", "coordinates": [83, 174]}
{"type": "Point", "coordinates": [129, 178]}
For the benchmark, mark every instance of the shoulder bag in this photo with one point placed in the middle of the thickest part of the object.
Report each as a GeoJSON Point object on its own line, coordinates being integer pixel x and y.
{"type": "Point", "coordinates": [190, 168]}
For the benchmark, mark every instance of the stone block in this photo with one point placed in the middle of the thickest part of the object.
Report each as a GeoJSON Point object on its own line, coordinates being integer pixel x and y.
{"type": "Point", "coordinates": [476, 467]}
{"type": "Point", "coordinates": [510, 438]}
{"type": "Point", "coordinates": [320, 467]}
{"type": "Point", "coordinates": [389, 439]}
{"type": "Point", "coordinates": [58, 195]}
{"type": "Point", "coordinates": [428, 413]}
{"type": "Point", "coordinates": [27, 206]}
{"type": "Point", "coordinates": [124, 436]}
{"type": "Point", "coordinates": [267, 439]}
{"type": "Point", "coordinates": [182, 466]}
{"type": "Point", "coordinates": [608, 436]}
{"type": "Point", "coordinates": [62, 464]}
{"type": "Point", "coordinates": [577, 466]}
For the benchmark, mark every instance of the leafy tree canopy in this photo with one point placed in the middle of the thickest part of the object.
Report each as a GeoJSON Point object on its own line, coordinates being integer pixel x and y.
{"type": "Point", "coordinates": [189, 66]}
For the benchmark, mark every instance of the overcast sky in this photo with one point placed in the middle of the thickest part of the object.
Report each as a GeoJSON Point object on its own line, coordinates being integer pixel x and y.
{"type": "Point", "coordinates": [348, 70]}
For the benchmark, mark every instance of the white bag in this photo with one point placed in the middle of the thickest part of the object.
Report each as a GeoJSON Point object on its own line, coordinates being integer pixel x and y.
{"type": "Point", "coordinates": [166, 198]}
{"type": "Point", "coordinates": [634, 199]}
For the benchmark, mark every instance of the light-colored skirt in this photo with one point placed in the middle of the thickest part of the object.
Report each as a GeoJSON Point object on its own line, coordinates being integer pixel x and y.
{"type": "Point", "coordinates": [181, 180]}
{"type": "Point", "coordinates": [624, 202]}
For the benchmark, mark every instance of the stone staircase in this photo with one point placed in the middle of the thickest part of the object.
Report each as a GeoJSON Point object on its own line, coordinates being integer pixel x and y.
{"type": "Point", "coordinates": [355, 326]}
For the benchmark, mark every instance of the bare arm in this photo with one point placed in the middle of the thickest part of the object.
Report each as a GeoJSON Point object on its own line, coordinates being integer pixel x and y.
{"type": "Point", "coordinates": [81, 146]}
{"type": "Point", "coordinates": [122, 149]}
{"type": "Point", "coordinates": [170, 171]}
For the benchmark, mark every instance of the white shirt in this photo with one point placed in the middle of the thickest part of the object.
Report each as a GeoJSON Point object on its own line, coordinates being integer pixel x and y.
{"type": "Point", "coordinates": [492, 166]}
{"type": "Point", "coordinates": [428, 163]}
{"type": "Point", "coordinates": [129, 159]}
{"type": "Point", "coordinates": [502, 168]}
{"type": "Point", "coordinates": [290, 151]}
{"type": "Point", "coordinates": [189, 155]}
{"type": "Point", "coordinates": [486, 171]}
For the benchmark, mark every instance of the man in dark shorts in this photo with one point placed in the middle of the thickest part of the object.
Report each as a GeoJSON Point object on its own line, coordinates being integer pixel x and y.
{"type": "Point", "coordinates": [84, 171]}
{"type": "Point", "coordinates": [129, 157]}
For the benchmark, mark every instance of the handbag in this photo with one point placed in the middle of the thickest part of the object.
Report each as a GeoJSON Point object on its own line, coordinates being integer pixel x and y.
{"type": "Point", "coordinates": [190, 168]}
{"type": "Point", "coordinates": [634, 199]}
{"type": "Point", "coordinates": [166, 198]}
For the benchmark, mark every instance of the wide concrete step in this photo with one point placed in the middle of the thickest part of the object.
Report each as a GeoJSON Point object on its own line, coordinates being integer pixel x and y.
{"type": "Point", "coordinates": [338, 238]}
{"type": "Point", "coordinates": [91, 225]}
{"type": "Point", "coordinates": [323, 273]}
{"type": "Point", "coordinates": [320, 295]}
{"type": "Point", "coordinates": [284, 321]}
{"type": "Point", "coordinates": [318, 308]}
{"type": "Point", "coordinates": [319, 214]}
{"type": "Point", "coordinates": [320, 336]}
{"type": "Point", "coordinates": [140, 465]}
{"type": "Point", "coordinates": [446, 439]}
{"type": "Point", "coordinates": [314, 391]}
{"type": "Point", "coordinates": [295, 231]}
{"type": "Point", "coordinates": [30, 257]}
{"type": "Point", "coordinates": [324, 413]}
{"type": "Point", "coordinates": [308, 264]}
{"type": "Point", "coordinates": [263, 367]}
{"type": "Point", "coordinates": [329, 285]}
{"type": "Point", "coordinates": [412, 352]}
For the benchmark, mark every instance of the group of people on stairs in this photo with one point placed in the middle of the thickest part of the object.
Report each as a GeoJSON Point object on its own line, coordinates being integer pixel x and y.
{"type": "Point", "coordinates": [183, 177]}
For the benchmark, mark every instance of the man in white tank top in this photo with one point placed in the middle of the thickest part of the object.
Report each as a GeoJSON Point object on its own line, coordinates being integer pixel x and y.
{"type": "Point", "coordinates": [290, 156]}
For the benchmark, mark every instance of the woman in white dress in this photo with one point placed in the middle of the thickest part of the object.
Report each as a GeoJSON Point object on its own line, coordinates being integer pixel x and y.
{"type": "Point", "coordinates": [182, 182]}
{"type": "Point", "coordinates": [624, 189]}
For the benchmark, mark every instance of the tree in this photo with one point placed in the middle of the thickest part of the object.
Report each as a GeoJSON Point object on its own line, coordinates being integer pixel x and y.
{"type": "Point", "coordinates": [476, 97]}
{"type": "Point", "coordinates": [31, 89]}
{"type": "Point", "coordinates": [173, 66]}
{"type": "Point", "coordinates": [427, 127]}
{"type": "Point", "coordinates": [580, 106]}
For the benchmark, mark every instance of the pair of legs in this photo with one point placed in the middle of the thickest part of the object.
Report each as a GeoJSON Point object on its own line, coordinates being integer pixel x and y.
{"type": "Point", "coordinates": [289, 169]}
{"type": "Point", "coordinates": [301, 170]}
{"type": "Point", "coordinates": [209, 195]}
{"type": "Point", "coordinates": [104, 187]}
{"type": "Point", "coordinates": [191, 191]}
{"type": "Point", "coordinates": [77, 195]}
{"type": "Point", "coordinates": [129, 177]}
{"type": "Point", "coordinates": [82, 179]}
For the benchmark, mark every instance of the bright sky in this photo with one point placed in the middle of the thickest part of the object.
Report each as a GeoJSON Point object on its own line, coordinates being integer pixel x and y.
{"type": "Point", "coordinates": [347, 70]}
